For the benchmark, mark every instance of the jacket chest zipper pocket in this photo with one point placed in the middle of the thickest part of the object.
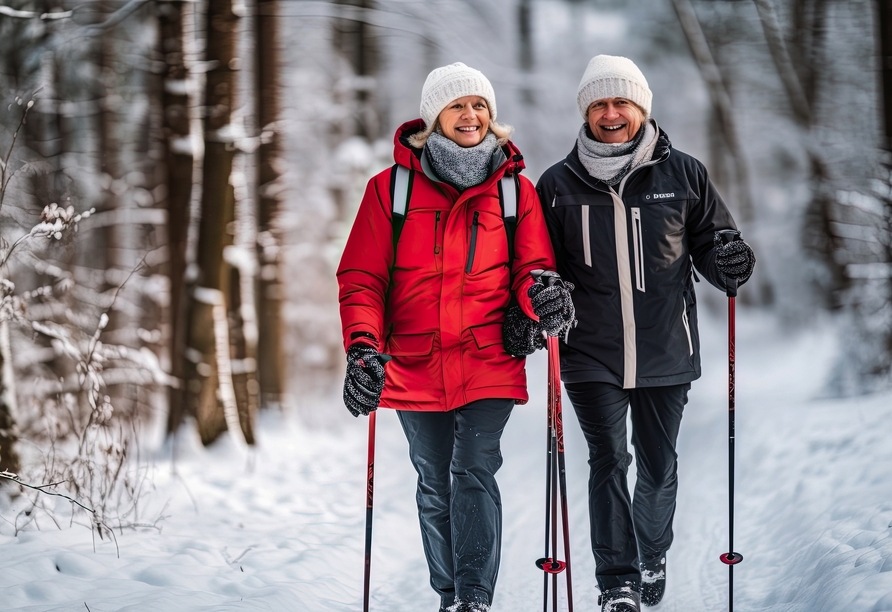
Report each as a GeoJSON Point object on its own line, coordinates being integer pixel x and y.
{"type": "Point", "coordinates": [436, 234]}
{"type": "Point", "coordinates": [473, 246]}
{"type": "Point", "coordinates": [687, 325]}
{"type": "Point", "coordinates": [638, 248]}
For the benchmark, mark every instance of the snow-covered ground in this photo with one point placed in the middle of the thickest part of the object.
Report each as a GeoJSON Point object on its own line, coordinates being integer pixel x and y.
{"type": "Point", "coordinates": [283, 529]}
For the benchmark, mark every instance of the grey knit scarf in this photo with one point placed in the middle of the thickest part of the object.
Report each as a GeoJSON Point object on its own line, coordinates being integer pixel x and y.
{"type": "Point", "coordinates": [611, 162]}
{"type": "Point", "coordinates": [460, 166]}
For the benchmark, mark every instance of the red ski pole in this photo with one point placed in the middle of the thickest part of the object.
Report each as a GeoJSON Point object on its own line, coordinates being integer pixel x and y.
{"type": "Point", "coordinates": [369, 497]}
{"type": "Point", "coordinates": [554, 359]}
{"type": "Point", "coordinates": [731, 558]}
{"type": "Point", "coordinates": [556, 474]}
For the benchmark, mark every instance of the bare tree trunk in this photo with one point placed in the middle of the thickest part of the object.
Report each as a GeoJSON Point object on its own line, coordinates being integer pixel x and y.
{"type": "Point", "coordinates": [884, 12]}
{"type": "Point", "coordinates": [9, 458]}
{"type": "Point", "coordinates": [721, 101]}
{"type": "Point", "coordinates": [243, 262]}
{"type": "Point", "coordinates": [525, 49]}
{"type": "Point", "coordinates": [819, 234]}
{"type": "Point", "coordinates": [178, 163]}
{"type": "Point", "coordinates": [355, 40]}
{"type": "Point", "coordinates": [270, 357]}
{"type": "Point", "coordinates": [213, 369]}
{"type": "Point", "coordinates": [884, 15]}
{"type": "Point", "coordinates": [127, 155]}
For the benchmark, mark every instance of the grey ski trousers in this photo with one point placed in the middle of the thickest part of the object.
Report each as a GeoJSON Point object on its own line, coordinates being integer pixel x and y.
{"type": "Point", "coordinates": [624, 531]}
{"type": "Point", "coordinates": [456, 455]}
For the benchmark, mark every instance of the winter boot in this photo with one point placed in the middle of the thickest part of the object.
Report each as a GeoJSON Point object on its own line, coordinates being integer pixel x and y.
{"type": "Point", "coordinates": [620, 599]}
{"type": "Point", "coordinates": [653, 580]}
{"type": "Point", "coordinates": [468, 606]}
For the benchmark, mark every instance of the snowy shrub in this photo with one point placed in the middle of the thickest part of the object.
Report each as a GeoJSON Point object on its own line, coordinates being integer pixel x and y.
{"type": "Point", "coordinates": [68, 436]}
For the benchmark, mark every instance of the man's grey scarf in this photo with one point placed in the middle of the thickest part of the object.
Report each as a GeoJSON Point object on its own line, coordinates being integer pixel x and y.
{"type": "Point", "coordinates": [611, 162]}
{"type": "Point", "coordinates": [460, 166]}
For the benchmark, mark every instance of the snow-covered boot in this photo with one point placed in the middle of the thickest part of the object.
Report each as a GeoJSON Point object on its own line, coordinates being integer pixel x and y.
{"type": "Point", "coordinates": [620, 599]}
{"type": "Point", "coordinates": [653, 580]}
{"type": "Point", "coordinates": [468, 606]}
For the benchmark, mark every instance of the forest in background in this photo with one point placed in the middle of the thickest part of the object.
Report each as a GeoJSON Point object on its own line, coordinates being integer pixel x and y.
{"type": "Point", "coordinates": [177, 179]}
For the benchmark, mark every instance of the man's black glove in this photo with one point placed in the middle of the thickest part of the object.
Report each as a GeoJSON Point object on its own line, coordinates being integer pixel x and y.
{"type": "Point", "coordinates": [521, 336]}
{"type": "Point", "coordinates": [553, 305]}
{"type": "Point", "coordinates": [365, 379]}
{"type": "Point", "coordinates": [734, 259]}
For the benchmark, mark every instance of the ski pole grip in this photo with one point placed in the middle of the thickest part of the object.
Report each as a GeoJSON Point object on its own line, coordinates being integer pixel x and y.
{"type": "Point", "coordinates": [548, 277]}
{"type": "Point", "coordinates": [726, 237]}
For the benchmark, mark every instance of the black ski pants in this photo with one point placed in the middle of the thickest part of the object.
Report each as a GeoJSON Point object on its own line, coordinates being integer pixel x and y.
{"type": "Point", "coordinates": [456, 455]}
{"type": "Point", "coordinates": [624, 531]}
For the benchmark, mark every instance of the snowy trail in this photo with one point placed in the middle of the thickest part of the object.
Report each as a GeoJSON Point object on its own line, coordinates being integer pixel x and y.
{"type": "Point", "coordinates": [283, 529]}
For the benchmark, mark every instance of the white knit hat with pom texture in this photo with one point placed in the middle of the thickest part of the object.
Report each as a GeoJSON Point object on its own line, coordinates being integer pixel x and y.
{"type": "Point", "coordinates": [611, 76]}
{"type": "Point", "coordinates": [448, 83]}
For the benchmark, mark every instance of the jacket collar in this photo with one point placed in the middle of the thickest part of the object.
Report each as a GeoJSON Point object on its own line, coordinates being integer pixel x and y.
{"type": "Point", "coordinates": [406, 155]}
{"type": "Point", "coordinates": [661, 154]}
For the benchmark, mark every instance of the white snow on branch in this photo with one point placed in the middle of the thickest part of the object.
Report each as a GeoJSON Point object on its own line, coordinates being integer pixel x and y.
{"type": "Point", "coordinates": [11, 12]}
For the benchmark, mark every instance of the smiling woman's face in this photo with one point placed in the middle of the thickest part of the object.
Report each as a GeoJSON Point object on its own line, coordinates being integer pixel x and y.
{"type": "Point", "coordinates": [614, 120]}
{"type": "Point", "coordinates": [465, 120]}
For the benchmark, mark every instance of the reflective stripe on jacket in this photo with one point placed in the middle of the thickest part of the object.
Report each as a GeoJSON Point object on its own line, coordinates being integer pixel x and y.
{"type": "Point", "coordinates": [629, 251]}
{"type": "Point", "coordinates": [442, 321]}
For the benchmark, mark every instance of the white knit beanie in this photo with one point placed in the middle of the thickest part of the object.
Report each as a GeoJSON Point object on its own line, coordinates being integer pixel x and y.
{"type": "Point", "coordinates": [610, 76]}
{"type": "Point", "coordinates": [448, 83]}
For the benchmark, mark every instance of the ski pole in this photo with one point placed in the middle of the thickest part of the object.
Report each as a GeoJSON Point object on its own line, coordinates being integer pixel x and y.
{"type": "Point", "coordinates": [549, 470]}
{"type": "Point", "coordinates": [369, 498]}
{"type": "Point", "coordinates": [558, 418]}
{"type": "Point", "coordinates": [556, 471]}
{"type": "Point", "coordinates": [731, 558]}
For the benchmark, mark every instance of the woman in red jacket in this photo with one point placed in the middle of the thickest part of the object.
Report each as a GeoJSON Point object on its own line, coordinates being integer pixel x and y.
{"type": "Point", "coordinates": [434, 296]}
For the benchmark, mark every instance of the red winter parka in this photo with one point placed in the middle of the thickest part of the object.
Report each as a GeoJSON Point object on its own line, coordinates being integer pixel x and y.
{"type": "Point", "coordinates": [442, 317]}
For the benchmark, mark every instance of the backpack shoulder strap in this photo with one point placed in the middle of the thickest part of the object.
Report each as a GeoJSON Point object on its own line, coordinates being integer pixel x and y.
{"type": "Point", "coordinates": [400, 193]}
{"type": "Point", "coordinates": [509, 199]}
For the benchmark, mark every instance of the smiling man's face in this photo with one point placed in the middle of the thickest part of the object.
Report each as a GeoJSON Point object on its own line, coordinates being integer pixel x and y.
{"type": "Point", "coordinates": [614, 120]}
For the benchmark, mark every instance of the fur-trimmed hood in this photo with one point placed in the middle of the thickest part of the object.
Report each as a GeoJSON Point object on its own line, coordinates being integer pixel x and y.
{"type": "Point", "coordinates": [406, 155]}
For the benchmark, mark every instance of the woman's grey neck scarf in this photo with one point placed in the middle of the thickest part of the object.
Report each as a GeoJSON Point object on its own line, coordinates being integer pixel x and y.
{"type": "Point", "coordinates": [611, 162]}
{"type": "Point", "coordinates": [460, 166]}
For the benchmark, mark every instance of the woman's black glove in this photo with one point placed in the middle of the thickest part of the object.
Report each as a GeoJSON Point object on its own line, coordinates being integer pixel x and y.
{"type": "Point", "coordinates": [734, 259]}
{"type": "Point", "coordinates": [365, 379]}
{"type": "Point", "coordinates": [553, 305]}
{"type": "Point", "coordinates": [521, 336]}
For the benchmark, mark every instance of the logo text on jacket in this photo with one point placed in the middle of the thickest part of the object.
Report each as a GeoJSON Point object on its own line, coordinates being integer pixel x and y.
{"type": "Point", "coordinates": [658, 196]}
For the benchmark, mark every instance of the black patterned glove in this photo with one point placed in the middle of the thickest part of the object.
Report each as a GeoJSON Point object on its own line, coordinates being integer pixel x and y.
{"type": "Point", "coordinates": [521, 336]}
{"type": "Point", "coordinates": [553, 305]}
{"type": "Point", "coordinates": [734, 259]}
{"type": "Point", "coordinates": [365, 379]}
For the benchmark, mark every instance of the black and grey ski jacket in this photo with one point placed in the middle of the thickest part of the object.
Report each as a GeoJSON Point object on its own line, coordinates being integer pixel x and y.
{"type": "Point", "coordinates": [629, 251]}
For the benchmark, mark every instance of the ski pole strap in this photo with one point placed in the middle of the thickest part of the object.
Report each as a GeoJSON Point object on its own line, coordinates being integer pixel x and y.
{"type": "Point", "coordinates": [730, 283]}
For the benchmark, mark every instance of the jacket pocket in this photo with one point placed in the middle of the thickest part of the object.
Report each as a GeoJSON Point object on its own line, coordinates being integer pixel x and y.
{"type": "Point", "coordinates": [687, 325]}
{"type": "Point", "coordinates": [410, 345]}
{"type": "Point", "coordinates": [487, 335]}
{"type": "Point", "coordinates": [472, 247]}
{"type": "Point", "coordinates": [638, 248]}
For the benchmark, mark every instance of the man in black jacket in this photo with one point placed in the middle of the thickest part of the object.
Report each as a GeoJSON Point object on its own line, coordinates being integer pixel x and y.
{"type": "Point", "coordinates": [630, 217]}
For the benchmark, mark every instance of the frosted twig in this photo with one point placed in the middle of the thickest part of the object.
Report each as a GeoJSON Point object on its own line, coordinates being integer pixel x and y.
{"type": "Point", "coordinates": [40, 488]}
{"type": "Point", "coordinates": [4, 163]}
